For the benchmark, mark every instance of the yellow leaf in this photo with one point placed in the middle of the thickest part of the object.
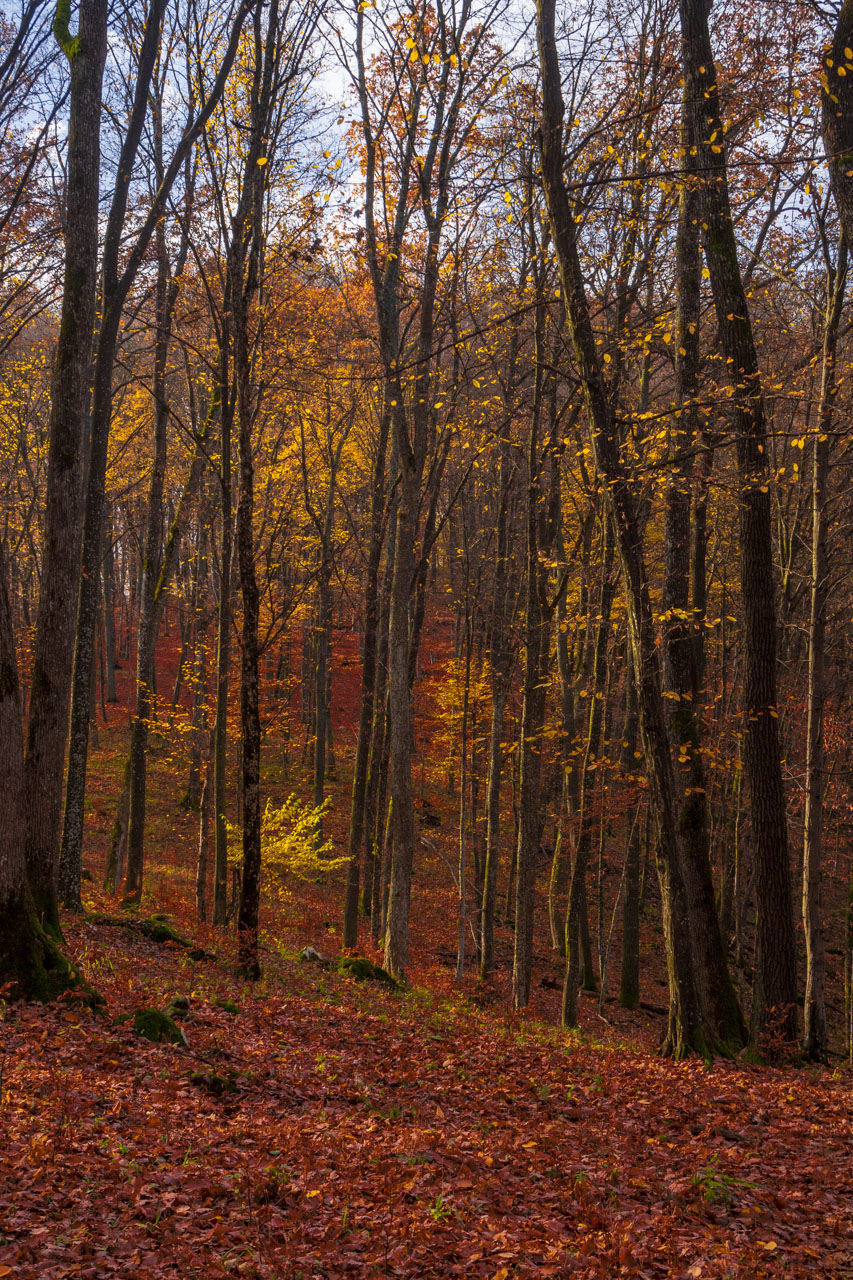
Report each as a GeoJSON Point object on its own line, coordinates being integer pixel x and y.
{"type": "Point", "coordinates": [262, 160]}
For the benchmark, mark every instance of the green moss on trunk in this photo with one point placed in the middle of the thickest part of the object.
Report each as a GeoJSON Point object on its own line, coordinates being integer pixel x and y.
{"type": "Point", "coordinates": [30, 958]}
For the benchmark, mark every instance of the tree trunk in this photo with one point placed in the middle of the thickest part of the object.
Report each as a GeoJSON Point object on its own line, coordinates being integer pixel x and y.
{"type": "Point", "coordinates": [53, 645]}
{"type": "Point", "coordinates": [716, 989]}
{"type": "Point", "coordinates": [368, 687]}
{"type": "Point", "coordinates": [400, 703]}
{"type": "Point", "coordinates": [775, 1002]}
{"type": "Point", "coordinates": [537, 634]}
{"type": "Point", "coordinates": [223, 663]}
{"type": "Point", "coordinates": [629, 986]}
{"type": "Point", "coordinates": [815, 1034]}
{"type": "Point", "coordinates": [109, 610]}
{"type": "Point", "coordinates": [500, 664]}
{"type": "Point", "coordinates": [30, 960]}
{"type": "Point", "coordinates": [149, 614]}
{"type": "Point", "coordinates": [577, 907]}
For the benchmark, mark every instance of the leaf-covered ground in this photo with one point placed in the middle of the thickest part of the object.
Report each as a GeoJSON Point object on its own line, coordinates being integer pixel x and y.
{"type": "Point", "coordinates": [350, 1132]}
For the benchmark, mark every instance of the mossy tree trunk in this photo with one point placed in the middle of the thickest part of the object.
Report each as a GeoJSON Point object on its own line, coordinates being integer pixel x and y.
{"type": "Point", "coordinates": [30, 959]}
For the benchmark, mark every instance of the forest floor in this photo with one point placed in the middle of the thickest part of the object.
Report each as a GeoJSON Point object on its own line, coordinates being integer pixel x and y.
{"type": "Point", "coordinates": [315, 1127]}
{"type": "Point", "coordinates": [365, 1133]}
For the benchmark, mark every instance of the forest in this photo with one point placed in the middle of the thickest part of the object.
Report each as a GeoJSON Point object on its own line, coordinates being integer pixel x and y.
{"type": "Point", "coordinates": [426, 536]}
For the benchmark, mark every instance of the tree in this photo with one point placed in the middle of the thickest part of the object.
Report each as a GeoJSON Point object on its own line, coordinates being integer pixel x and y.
{"type": "Point", "coordinates": [775, 1001]}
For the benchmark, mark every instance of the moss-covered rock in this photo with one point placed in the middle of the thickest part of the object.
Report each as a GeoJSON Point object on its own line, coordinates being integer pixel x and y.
{"type": "Point", "coordinates": [364, 970]}
{"type": "Point", "coordinates": [157, 1027]}
{"type": "Point", "coordinates": [155, 929]}
{"type": "Point", "coordinates": [227, 1005]}
{"type": "Point", "coordinates": [178, 1008]}
{"type": "Point", "coordinates": [214, 1082]}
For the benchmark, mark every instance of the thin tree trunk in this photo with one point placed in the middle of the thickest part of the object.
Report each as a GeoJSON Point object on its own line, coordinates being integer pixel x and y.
{"type": "Point", "coordinates": [815, 1033]}
{"type": "Point", "coordinates": [629, 986]}
{"type": "Point", "coordinates": [368, 687]}
{"type": "Point", "coordinates": [109, 610]}
{"type": "Point", "coordinates": [577, 907]}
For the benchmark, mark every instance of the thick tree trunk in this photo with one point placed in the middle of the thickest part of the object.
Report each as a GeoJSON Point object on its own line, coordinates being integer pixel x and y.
{"type": "Point", "coordinates": [775, 1002]}
{"type": "Point", "coordinates": [53, 645]}
{"type": "Point", "coordinates": [837, 116]}
{"type": "Point", "coordinates": [716, 989]}
{"type": "Point", "coordinates": [30, 960]}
